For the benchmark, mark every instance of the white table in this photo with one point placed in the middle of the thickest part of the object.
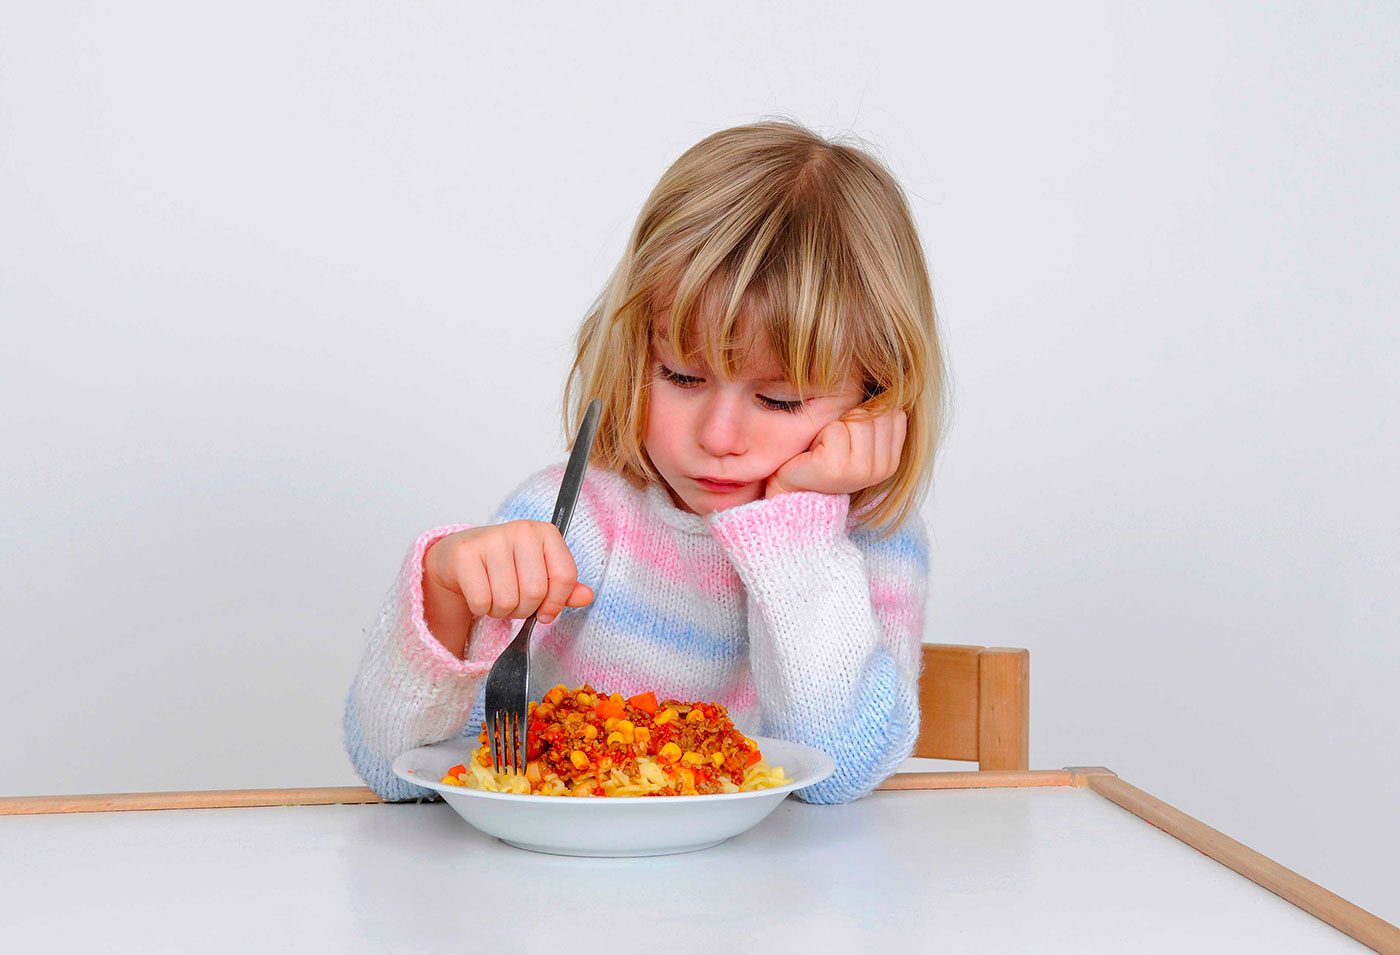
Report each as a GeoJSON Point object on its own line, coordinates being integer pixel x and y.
{"type": "Point", "coordinates": [1017, 870]}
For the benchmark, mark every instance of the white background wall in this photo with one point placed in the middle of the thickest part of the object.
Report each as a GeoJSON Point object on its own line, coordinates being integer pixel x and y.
{"type": "Point", "coordinates": [283, 284]}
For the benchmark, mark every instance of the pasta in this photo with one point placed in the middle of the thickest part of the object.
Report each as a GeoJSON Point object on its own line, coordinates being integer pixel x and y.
{"type": "Point", "coordinates": [585, 743]}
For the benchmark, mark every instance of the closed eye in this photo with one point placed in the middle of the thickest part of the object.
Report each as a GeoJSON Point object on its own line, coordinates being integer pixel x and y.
{"type": "Point", "coordinates": [773, 404]}
{"type": "Point", "coordinates": [692, 381]}
{"type": "Point", "coordinates": [676, 378]}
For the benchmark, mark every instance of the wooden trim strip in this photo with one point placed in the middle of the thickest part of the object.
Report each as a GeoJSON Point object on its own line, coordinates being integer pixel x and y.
{"type": "Point", "coordinates": [990, 779]}
{"type": "Point", "coordinates": [1368, 929]}
{"type": "Point", "coordinates": [207, 799]}
{"type": "Point", "coordinates": [356, 795]}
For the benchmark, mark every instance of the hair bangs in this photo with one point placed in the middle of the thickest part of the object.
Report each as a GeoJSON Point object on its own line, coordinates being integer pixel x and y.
{"type": "Point", "coordinates": [781, 286]}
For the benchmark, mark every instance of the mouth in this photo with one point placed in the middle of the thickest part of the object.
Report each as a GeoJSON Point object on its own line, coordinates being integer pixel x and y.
{"type": "Point", "coordinates": [720, 486]}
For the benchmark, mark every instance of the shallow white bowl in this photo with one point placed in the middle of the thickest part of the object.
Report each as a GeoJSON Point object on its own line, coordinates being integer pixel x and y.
{"type": "Point", "coordinates": [616, 826]}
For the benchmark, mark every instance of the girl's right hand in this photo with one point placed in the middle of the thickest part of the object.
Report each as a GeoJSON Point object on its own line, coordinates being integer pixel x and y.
{"type": "Point", "coordinates": [500, 570]}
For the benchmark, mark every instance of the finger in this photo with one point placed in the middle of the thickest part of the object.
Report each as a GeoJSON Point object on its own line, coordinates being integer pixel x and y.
{"type": "Point", "coordinates": [475, 584]}
{"type": "Point", "coordinates": [500, 569]}
{"type": "Point", "coordinates": [901, 424]}
{"type": "Point", "coordinates": [790, 475]}
{"type": "Point", "coordinates": [581, 597]}
{"type": "Point", "coordinates": [830, 456]}
{"type": "Point", "coordinates": [563, 575]}
{"type": "Point", "coordinates": [531, 576]}
{"type": "Point", "coordinates": [862, 447]}
{"type": "Point", "coordinates": [884, 437]}
{"type": "Point", "coordinates": [835, 438]}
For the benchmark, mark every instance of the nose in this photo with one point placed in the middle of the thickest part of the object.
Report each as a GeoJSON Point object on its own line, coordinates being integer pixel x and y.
{"type": "Point", "coordinates": [724, 429]}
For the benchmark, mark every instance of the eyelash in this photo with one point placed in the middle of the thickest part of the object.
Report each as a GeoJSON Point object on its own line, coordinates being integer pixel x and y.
{"type": "Point", "coordinates": [686, 381]}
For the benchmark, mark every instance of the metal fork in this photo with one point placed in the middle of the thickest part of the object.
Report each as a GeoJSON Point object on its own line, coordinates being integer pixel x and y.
{"type": "Point", "coordinates": [508, 683]}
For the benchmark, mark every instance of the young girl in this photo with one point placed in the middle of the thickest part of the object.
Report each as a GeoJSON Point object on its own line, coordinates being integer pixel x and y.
{"type": "Point", "coordinates": [747, 532]}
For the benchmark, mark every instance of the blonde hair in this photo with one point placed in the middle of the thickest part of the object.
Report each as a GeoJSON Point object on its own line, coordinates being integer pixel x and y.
{"type": "Point", "coordinates": [769, 229]}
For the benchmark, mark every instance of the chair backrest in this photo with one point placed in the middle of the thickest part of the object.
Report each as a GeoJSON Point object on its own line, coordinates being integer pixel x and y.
{"type": "Point", "coordinates": [975, 704]}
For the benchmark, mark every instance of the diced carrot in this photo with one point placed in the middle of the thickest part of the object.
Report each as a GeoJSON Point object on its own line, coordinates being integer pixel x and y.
{"type": "Point", "coordinates": [459, 768]}
{"type": "Point", "coordinates": [644, 701]}
{"type": "Point", "coordinates": [609, 707]}
{"type": "Point", "coordinates": [753, 757]}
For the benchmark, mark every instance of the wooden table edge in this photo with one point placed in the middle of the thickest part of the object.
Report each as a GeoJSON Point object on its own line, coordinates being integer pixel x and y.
{"type": "Point", "coordinates": [1354, 921]}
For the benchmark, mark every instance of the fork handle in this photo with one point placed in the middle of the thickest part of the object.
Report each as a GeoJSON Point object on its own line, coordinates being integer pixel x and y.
{"type": "Point", "coordinates": [573, 471]}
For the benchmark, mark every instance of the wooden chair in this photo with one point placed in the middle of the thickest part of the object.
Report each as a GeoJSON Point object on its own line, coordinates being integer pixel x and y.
{"type": "Point", "coordinates": [975, 704]}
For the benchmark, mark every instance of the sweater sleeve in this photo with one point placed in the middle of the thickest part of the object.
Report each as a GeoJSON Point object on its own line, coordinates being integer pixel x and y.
{"type": "Point", "coordinates": [835, 625]}
{"type": "Point", "coordinates": [409, 690]}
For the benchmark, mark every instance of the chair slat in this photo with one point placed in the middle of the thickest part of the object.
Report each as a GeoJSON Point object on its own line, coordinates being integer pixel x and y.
{"type": "Point", "coordinates": [1003, 734]}
{"type": "Point", "coordinates": [948, 692]}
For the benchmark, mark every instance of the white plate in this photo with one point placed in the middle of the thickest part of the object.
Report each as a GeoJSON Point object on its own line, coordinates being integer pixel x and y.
{"type": "Point", "coordinates": [611, 826]}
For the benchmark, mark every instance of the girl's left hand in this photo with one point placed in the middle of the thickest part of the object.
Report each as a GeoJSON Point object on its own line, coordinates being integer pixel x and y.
{"type": "Point", "coordinates": [858, 450]}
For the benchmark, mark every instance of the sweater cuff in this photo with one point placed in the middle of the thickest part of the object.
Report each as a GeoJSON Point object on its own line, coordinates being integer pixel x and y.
{"type": "Point", "coordinates": [420, 649]}
{"type": "Point", "coordinates": [772, 528]}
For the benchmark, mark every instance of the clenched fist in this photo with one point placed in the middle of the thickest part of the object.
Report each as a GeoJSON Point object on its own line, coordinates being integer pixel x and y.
{"type": "Point", "coordinates": [858, 450]}
{"type": "Point", "coordinates": [500, 570]}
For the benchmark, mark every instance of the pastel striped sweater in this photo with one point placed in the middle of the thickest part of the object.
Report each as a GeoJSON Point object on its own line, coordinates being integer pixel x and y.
{"type": "Point", "coordinates": [803, 628]}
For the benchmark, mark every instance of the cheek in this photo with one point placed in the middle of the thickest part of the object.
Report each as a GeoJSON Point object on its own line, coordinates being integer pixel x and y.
{"type": "Point", "coordinates": [789, 436]}
{"type": "Point", "coordinates": [663, 420]}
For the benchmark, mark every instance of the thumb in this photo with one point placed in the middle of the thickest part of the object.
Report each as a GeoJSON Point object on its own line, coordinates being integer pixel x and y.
{"type": "Point", "coordinates": [795, 470]}
{"type": "Point", "coordinates": [582, 595]}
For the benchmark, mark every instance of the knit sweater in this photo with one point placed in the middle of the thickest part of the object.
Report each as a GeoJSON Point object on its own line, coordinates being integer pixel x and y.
{"type": "Point", "coordinates": [804, 627]}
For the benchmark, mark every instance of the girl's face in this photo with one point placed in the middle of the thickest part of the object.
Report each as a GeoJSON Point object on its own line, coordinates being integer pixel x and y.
{"type": "Point", "coordinates": [701, 426]}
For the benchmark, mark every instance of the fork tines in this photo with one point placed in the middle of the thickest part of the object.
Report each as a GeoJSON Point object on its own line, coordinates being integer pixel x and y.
{"type": "Point", "coordinates": [507, 741]}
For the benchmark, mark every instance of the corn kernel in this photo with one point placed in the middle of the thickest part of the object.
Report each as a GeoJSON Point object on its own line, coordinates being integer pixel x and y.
{"type": "Point", "coordinates": [610, 723]}
{"type": "Point", "coordinates": [717, 759]}
{"type": "Point", "coordinates": [590, 732]}
{"type": "Point", "coordinates": [625, 727]}
{"type": "Point", "coordinates": [692, 757]}
{"type": "Point", "coordinates": [665, 716]}
{"type": "Point", "coordinates": [669, 753]}
{"type": "Point", "coordinates": [695, 715]}
{"type": "Point", "coordinates": [573, 717]}
{"type": "Point", "coordinates": [585, 699]}
{"type": "Point", "coordinates": [616, 737]}
{"type": "Point", "coordinates": [556, 694]}
{"type": "Point", "coordinates": [579, 760]}
{"type": "Point", "coordinates": [750, 744]}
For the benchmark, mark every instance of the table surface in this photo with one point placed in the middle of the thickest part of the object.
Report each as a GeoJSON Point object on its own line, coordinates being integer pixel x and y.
{"type": "Point", "coordinates": [1055, 869]}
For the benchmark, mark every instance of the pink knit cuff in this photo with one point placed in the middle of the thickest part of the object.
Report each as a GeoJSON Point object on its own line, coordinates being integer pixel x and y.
{"type": "Point", "coordinates": [424, 654]}
{"type": "Point", "coordinates": [778, 525]}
